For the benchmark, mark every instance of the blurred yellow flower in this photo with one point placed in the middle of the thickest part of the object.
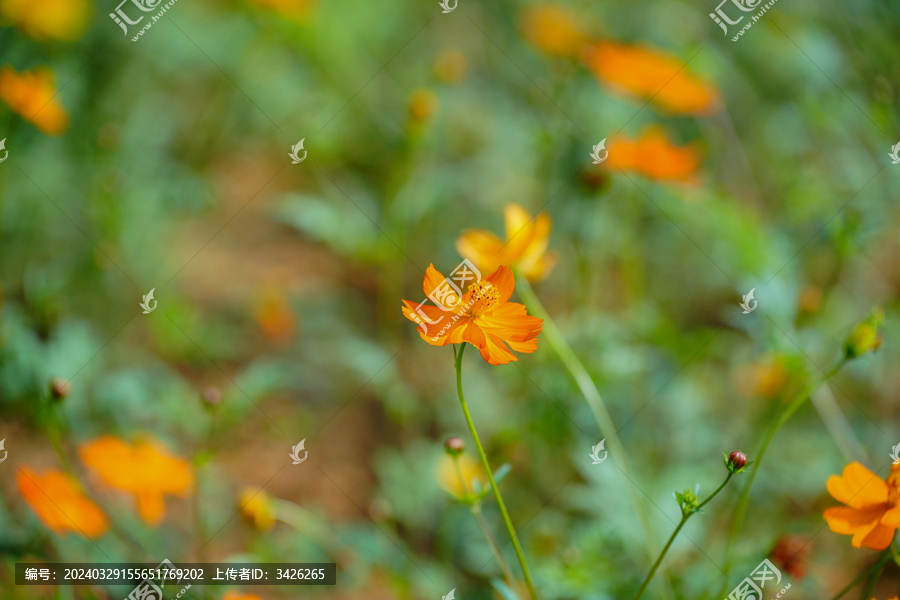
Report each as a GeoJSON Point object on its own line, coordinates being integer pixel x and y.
{"type": "Point", "coordinates": [59, 502]}
{"type": "Point", "coordinates": [32, 95]}
{"type": "Point", "coordinates": [451, 65]}
{"type": "Point", "coordinates": [64, 20]}
{"type": "Point", "coordinates": [553, 29]}
{"type": "Point", "coordinates": [449, 478]}
{"type": "Point", "coordinates": [525, 247]}
{"type": "Point", "coordinates": [144, 469]}
{"type": "Point", "coordinates": [235, 595]}
{"type": "Point", "coordinates": [767, 378]}
{"type": "Point", "coordinates": [652, 74]}
{"type": "Point", "coordinates": [423, 103]}
{"type": "Point", "coordinates": [654, 156]}
{"type": "Point", "coordinates": [256, 507]}
{"type": "Point", "coordinates": [295, 10]}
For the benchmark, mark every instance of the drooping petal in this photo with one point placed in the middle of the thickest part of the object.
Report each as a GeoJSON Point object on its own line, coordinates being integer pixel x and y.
{"type": "Point", "coordinates": [492, 348]}
{"type": "Point", "coordinates": [846, 520]}
{"type": "Point", "coordinates": [877, 538]}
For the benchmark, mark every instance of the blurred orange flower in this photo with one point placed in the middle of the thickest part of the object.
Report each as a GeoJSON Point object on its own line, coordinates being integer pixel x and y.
{"type": "Point", "coordinates": [235, 595]}
{"type": "Point", "coordinates": [872, 511]}
{"type": "Point", "coordinates": [525, 247]}
{"type": "Point", "coordinates": [485, 318]}
{"type": "Point", "coordinates": [62, 20]}
{"type": "Point", "coordinates": [553, 29]}
{"type": "Point", "coordinates": [652, 74]}
{"type": "Point", "coordinates": [256, 506]}
{"type": "Point", "coordinates": [275, 318]}
{"type": "Point", "coordinates": [59, 502]}
{"type": "Point", "coordinates": [144, 469]}
{"type": "Point", "coordinates": [32, 95]}
{"type": "Point", "coordinates": [295, 10]}
{"type": "Point", "coordinates": [653, 155]}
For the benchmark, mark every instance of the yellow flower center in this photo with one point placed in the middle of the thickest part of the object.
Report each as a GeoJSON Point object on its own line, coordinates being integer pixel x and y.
{"type": "Point", "coordinates": [893, 484]}
{"type": "Point", "coordinates": [484, 297]}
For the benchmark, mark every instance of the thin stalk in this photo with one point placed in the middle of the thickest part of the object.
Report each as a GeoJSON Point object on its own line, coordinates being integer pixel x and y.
{"type": "Point", "coordinates": [598, 408]}
{"type": "Point", "coordinates": [490, 475]}
{"type": "Point", "coordinates": [684, 519]}
{"type": "Point", "coordinates": [475, 509]}
{"type": "Point", "coordinates": [879, 568]}
{"type": "Point", "coordinates": [743, 501]}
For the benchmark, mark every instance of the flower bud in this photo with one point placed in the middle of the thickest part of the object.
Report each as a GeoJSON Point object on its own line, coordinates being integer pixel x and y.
{"type": "Point", "coordinates": [688, 501]}
{"type": "Point", "coordinates": [212, 397]}
{"type": "Point", "coordinates": [454, 446]}
{"type": "Point", "coordinates": [60, 388]}
{"type": "Point", "coordinates": [736, 461]}
{"type": "Point", "coordinates": [865, 337]}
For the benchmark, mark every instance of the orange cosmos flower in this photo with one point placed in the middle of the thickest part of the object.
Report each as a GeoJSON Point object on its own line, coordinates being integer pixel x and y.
{"type": "Point", "coordinates": [62, 20]}
{"type": "Point", "coordinates": [484, 317]}
{"type": "Point", "coordinates": [525, 247]}
{"type": "Point", "coordinates": [32, 95]}
{"type": "Point", "coordinates": [651, 74]}
{"type": "Point", "coordinates": [144, 469]}
{"type": "Point", "coordinates": [553, 29]}
{"type": "Point", "coordinates": [59, 502]}
{"type": "Point", "coordinates": [872, 511]}
{"type": "Point", "coordinates": [653, 155]}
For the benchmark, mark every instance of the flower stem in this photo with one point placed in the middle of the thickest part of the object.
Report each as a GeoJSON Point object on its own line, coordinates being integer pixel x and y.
{"type": "Point", "coordinates": [595, 402]}
{"type": "Point", "coordinates": [475, 509]}
{"type": "Point", "coordinates": [879, 568]}
{"type": "Point", "coordinates": [743, 501]}
{"type": "Point", "coordinates": [490, 475]}
{"type": "Point", "coordinates": [684, 518]}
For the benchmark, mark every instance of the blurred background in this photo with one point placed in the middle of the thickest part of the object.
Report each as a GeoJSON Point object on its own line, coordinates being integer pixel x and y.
{"type": "Point", "coordinates": [163, 164]}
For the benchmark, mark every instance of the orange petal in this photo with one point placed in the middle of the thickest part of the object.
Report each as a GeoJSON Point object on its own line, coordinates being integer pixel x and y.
{"type": "Point", "coordinates": [857, 487]}
{"type": "Point", "coordinates": [504, 281]}
{"type": "Point", "coordinates": [518, 328]}
{"type": "Point", "coordinates": [878, 538]}
{"type": "Point", "coordinates": [151, 507]}
{"type": "Point", "coordinates": [433, 279]}
{"type": "Point", "coordinates": [842, 519]}
{"type": "Point", "coordinates": [481, 247]}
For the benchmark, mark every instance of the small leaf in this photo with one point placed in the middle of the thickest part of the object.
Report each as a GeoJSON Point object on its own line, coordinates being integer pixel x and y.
{"type": "Point", "coordinates": [501, 472]}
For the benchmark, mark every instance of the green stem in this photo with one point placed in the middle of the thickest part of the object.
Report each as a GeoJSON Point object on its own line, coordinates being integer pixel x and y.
{"type": "Point", "coordinates": [490, 475]}
{"type": "Point", "coordinates": [743, 501]}
{"type": "Point", "coordinates": [595, 403]}
{"type": "Point", "coordinates": [684, 519]}
{"type": "Point", "coordinates": [879, 568]}
{"type": "Point", "coordinates": [504, 567]}
{"type": "Point", "coordinates": [475, 509]}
